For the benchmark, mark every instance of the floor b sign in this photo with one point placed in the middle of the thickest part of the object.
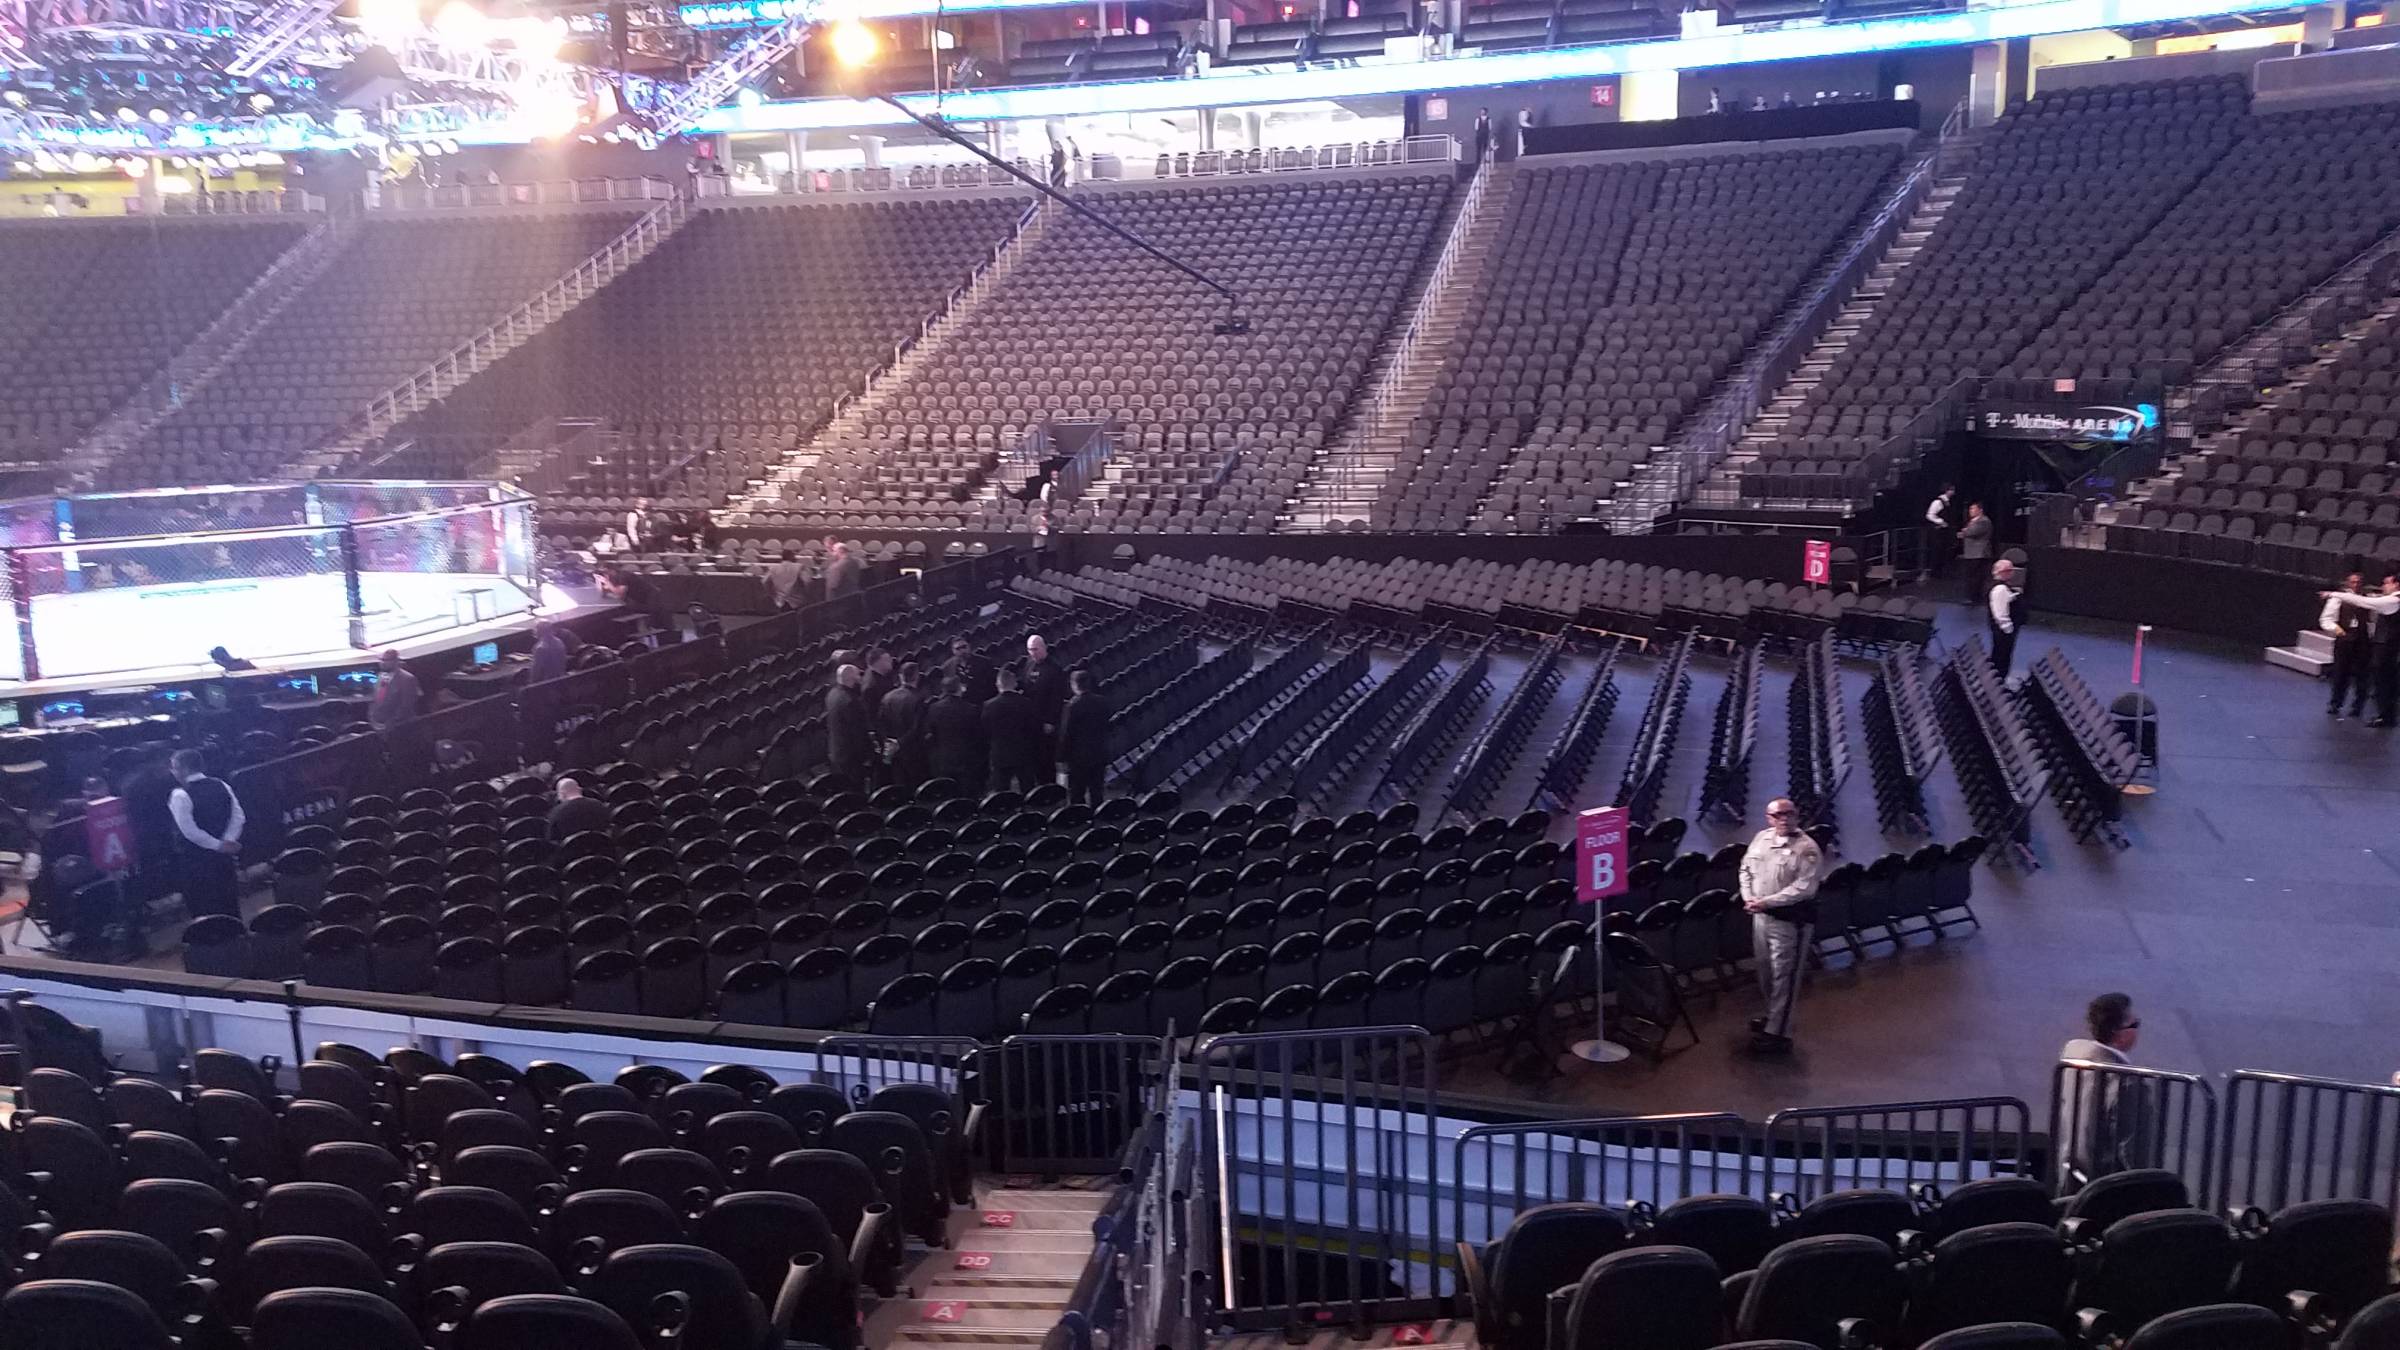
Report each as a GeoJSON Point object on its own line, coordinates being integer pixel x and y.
{"type": "Point", "coordinates": [1600, 853]}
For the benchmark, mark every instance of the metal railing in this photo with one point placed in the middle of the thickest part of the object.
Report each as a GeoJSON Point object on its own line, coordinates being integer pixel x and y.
{"type": "Point", "coordinates": [1696, 455]}
{"type": "Point", "coordinates": [1499, 1171]}
{"type": "Point", "coordinates": [2289, 1138]}
{"type": "Point", "coordinates": [1068, 1104]}
{"type": "Point", "coordinates": [1348, 155]}
{"type": "Point", "coordinates": [2115, 1117]}
{"type": "Point", "coordinates": [1896, 1146]}
{"type": "Point", "coordinates": [1319, 1163]}
{"type": "Point", "coordinates": [987, 274]}
{"type": "Point", "coordinates": [554, 192]}
{"type": "Point", "coordinates": [1374, 419]}
{"type": "Point", "coordinates": [254, 202]}
{"type": "Point", "coordinates": [462, 362]}
{"type": "Point", "coordinates": [207, 352]}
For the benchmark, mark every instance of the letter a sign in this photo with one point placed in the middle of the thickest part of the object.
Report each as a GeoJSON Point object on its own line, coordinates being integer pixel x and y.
{"type": "Point", "coordinates": [108, 833]}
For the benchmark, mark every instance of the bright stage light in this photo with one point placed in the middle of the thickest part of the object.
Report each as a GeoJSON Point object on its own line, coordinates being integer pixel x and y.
{"type": "Point", "coordinates": [854, 43]}
{"type": "Point", "coordinates": [462, 25]}
{"type": "Point", "coordinates": [161, 116]}
{"type": "Point", "coordinates": [259, 103]}
{"type": "Point", "coordinates": [386, 22]}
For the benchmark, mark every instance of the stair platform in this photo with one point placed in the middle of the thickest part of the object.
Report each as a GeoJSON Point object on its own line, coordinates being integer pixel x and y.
{"type": "Point", "coordinates": [2310, 654]}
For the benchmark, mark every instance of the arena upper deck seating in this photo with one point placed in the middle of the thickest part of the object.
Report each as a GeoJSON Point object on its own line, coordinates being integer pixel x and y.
{"type": "Point", "coordinates": [402, 292]}
{"type": "Point", "coordinates": [2300, 484]}
{"type": "Point", "coordinates": [92, 310]}
{"type": "Point", "coordinates": [729, 346]}
{"type": "Point", "coordinates": [1618, 295]}
{"type": "Point", "coordinates": [1086, 328]}
{"type": "Point", "coordinates": [2298, 195]}
{"type": "Point", "coordinates": [2139, 148]}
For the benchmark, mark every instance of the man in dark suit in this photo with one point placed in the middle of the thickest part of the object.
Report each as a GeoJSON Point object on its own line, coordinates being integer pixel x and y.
{"type": "Point", "coordinates": [1046, 685]}
{"type": "Point", "coordinates": [901, 720]}
{"type": "Point", "coordinates": [970, 670]}
{"type": "Point", "coordinates": [878, 679]}
{"type": "Point", "coordinates": [849, 726]}
{"type": "Point", "coordinates": [954, 736]}
{"type": "Point", "coordinates": [1083, 739]}
{"type": "Point", "coordinates": [1012, 731]}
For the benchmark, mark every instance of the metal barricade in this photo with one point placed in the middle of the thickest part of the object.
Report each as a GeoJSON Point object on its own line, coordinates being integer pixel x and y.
{"type": "Point", "coordinates": [1499, 1171]}
{"type": "Point", "coordinates": [2290, 1138]}
{"type": "Point", "coordinates": [1894, 1146]}
{"type": "Point", "coordinates": [865, 1065]}
{"type": "Point", "coordinates": [2115, 1117]}
{"type": "Point", "coordinates": [1068, 1104]}
{"type": "Point", "coordinates": [1321, 1172]}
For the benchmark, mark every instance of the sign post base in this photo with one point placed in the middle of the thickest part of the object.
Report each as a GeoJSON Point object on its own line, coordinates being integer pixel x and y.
{"type": "Point", "coordinates": [1601, 1052]}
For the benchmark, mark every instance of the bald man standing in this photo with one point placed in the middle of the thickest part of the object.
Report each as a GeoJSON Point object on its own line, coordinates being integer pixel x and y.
{"type": "Point", "coordinates": [1779, 889]}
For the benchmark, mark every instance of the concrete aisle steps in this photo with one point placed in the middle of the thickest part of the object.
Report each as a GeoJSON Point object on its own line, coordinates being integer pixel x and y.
{"type": "Point", "coordinates": [1006, 1276]}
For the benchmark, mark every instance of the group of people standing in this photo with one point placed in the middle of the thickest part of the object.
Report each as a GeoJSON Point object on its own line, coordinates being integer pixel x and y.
{"type": "Point", "coordinates": [982, 726]}
{"type": "Point", "coordinates": [2365, 627]}
{"type": "Point", "coordinates": [1992, 586]}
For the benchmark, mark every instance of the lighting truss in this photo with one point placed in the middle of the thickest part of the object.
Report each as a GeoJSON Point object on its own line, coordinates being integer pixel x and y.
{"type": "Point", "coordinates": [741, 63]}
{"type": "Point", "coordinates": [177, 21]}
{"type": "Point", "coordinates": [278, 29]}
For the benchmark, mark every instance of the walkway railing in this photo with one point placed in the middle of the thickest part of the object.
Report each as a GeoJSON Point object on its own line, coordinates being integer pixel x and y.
{"type": "Point", "coordinates": [2115, 1117]}
{"type": "Point", "coordinates": [1698, 453]}
{"type": "Point", "coordinates": [1374, 419]}
{"type": "Point", "coordinates": [462, 362]}
{"type": "Point", "coordinates": [557, 192]}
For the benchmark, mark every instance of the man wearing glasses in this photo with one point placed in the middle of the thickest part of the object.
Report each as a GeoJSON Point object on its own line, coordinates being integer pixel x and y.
{"type": "Point", "coordinates": [1779, 889]}
{"type": "Point", "coordinates": [2110, 1119]}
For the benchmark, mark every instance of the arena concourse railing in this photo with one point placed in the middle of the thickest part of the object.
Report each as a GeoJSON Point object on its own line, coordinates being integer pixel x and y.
{"type": "Point", "coordinates": [1167, 166]}
{"type": "Point", "coordinates": [1254, 1168]}
{"type": "Point", "coordinates": [456, 366]}
{"type": "Point", "coordinates": [251, 203]}
{"type": "Point", "coordinates": [562, 192]}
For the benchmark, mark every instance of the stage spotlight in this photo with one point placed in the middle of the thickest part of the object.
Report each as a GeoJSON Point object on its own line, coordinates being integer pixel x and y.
{"type": "Point", "coordinates": [749, 98]}
{"type": "Point", "coordinates": [128, 115]}
{"type": "Point", "coordinates": [16, 98]}
{"type": "Point", "coordinates": [259, 103]}
{"type": "Point", "coordinates": [462, 25]}
{"type": "Point", "coordinates": [854, 43]}
{"type": "Point", "coordinates": [161, 116]}
{"type": "Point", "coordinates": [388, 22]}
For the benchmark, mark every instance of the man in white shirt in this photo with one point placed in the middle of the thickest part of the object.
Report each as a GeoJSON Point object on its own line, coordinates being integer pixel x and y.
{"type": "Point", "coordinates": [2363, 649]}
{"type": "Point", "coordinates": [1779, 878]}
{"type": "Point", "coordinates": [2000, 612]}
{"type": "Point", "coordinates": [1939, 531]}
{"type": "Point", "coordinates": [208, 827]}
{"type": "Point", "coordinates": [637, 524]}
